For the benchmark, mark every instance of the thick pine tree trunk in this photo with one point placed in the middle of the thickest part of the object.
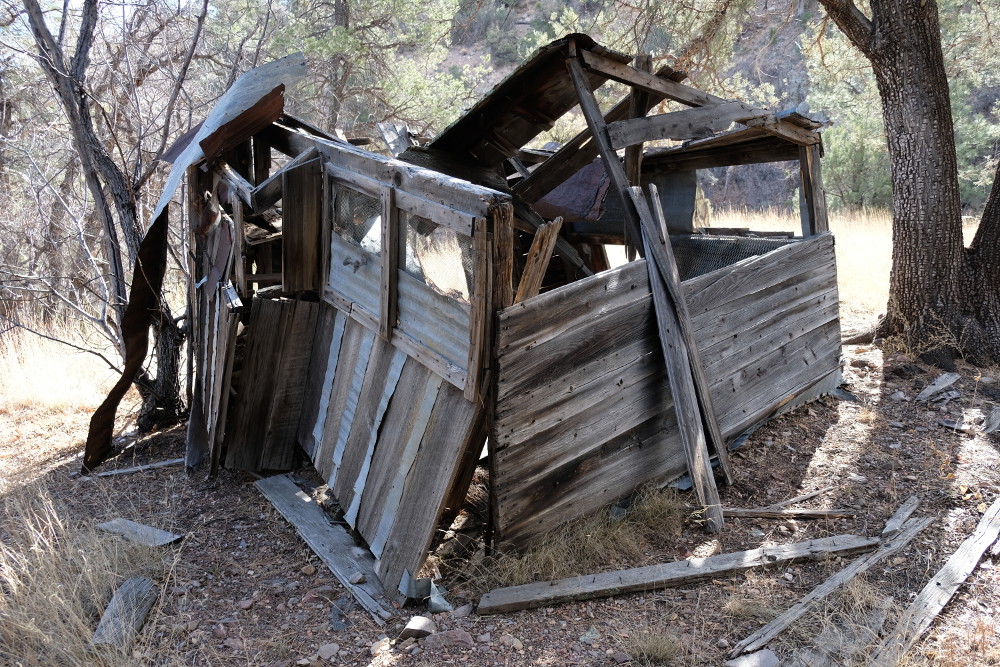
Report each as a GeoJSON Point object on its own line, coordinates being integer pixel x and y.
{"type": "Point", "coordinates": [943, 299]}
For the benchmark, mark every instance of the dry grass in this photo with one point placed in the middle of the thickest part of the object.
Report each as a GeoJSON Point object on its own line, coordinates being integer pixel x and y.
{"type": "Point", "coordinates": [591, 544]}
{"type": "Point", "coordinates": [655, 645]}
{"type": "Point", "coordinates": [57, 576]}
{"type": "Point", "coordinates": [43, 373]}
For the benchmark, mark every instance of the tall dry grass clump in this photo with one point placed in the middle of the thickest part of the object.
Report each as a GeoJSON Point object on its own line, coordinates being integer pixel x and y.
{"type": "Point", "coordinates": [600, 541]}
{"type": "Point", "coordinates": [43, 373]}
{"type": "Point", "coordinates": [56, 577]}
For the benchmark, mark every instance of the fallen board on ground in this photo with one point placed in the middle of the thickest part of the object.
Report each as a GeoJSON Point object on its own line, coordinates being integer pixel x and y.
{"type": "Point", "coordinates": [665, 575]}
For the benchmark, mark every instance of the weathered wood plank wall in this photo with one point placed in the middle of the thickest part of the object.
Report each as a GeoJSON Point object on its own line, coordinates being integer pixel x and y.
{"type": "Point", "coordinates": [584, 413]}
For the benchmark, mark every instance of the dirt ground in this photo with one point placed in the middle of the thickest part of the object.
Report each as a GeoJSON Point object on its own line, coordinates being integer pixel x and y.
{"type": "Point", "coordinates": [242, 587]}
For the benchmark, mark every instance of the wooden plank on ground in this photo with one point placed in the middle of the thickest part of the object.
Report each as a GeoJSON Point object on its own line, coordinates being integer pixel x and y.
{"type": "Point", "coordinates": [652, 577]}
{"type": "Point", "coordinates": [125, 614]}
{"type": "Point", "coordinates": [148, 466]}
{"type": "Point", "coordinates": [331, 543]}
{"type": "Point", "coordinates": [776, 513]}
{"type": "Point", "coordinates": [760, 638]}
{"type": "Point", "coordinates": [939, 590]}
{"type": "Point", "coordinates": [140, 533]}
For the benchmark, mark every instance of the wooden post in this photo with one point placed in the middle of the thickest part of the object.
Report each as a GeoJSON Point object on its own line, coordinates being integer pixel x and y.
{"type": "Point", "coordinates": [390, 263]}
{"type": "Point", "coordinates": [638, 101]}
{"type": "Point", "coordinates": [676, 357]}
{"type": "Point", "coordinates": [599, 131]}
{"type": "Point", "coordinates": [813, 208]}
{"type": "Point", "coordinates": [664, 256]}
{"type": "Point", "coordinates": [538, 260]}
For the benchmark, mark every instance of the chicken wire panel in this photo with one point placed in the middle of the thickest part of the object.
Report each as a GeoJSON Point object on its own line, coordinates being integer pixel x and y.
{"type": "Point", "coordinates": [699, 254]}
{"type": "Point", "coordinates": [357, 217]}
{"type": "Point", "coordinates": [438, 256]}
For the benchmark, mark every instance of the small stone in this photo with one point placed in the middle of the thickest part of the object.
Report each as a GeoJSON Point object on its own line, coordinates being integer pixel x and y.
{"type": "Point", "coordinates": [756, 532]}
{"type": "Point", "coordinates": [722, 643]}
{"type": "Point", "coordinates": [406, 643]}
{"type": "Point", "coordinates": [418, 627]}
{"type": "Point", "coordinates": [860, 479]}
{"type": "Point", "coordinates": [219, 631]}
{"type": "Point", "coordinates": [328, 651]}
{"type": "Point", "coordinates": [484, 638]}
{"type": "Point", "coordinates": [234, 643]}
{"type": "Point", "coordinates": [894, 425]}
{"type": "Point", "coordinates": [898, 396]}
{"type": "Point", "coordinates": [357, 578]}
{"type": "Point", "coordinates": [304, 662]}
{"type": "Point", "coordinates": [788, 576]}
{"type": "Point", "coordinates": [193, 625]}
{"type": "Point", "coordinates": [245, 604]}
{"type": "Point", "coordinates": [590, 636]}
{"type": "Point", "coordinates": [620, 657]}
{"type": "Point", "coordinates": [765, 658]}
{"type": "Point", "coordinates": [463, 611]}
{"type": "Point", "coordinates": [380, 645]}
{"type": "Point", "coordinates": [457, 637]}
{"type": "Point", "coordinates": [308, 570]}
{"type": "Point", "coordinates": [178, 590]}
{"type": "Point", "coordinates": [921, 429]}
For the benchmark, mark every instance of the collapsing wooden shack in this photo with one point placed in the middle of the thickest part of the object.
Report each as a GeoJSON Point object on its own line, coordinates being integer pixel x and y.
{"type": "Point", "coordinates": [382, 316]}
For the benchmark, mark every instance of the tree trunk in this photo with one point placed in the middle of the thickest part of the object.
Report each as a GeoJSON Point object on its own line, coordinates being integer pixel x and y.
{"type": "Point", "coordinates": [115, 202]}
{"type": "Point", "coordinates": [942, 298]}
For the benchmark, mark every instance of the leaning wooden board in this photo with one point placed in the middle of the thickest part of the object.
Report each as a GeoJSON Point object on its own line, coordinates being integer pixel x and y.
{"type": "Point", "coordinates": [392, 439]}
{"type": "Point", "coordinates": [582, 392]}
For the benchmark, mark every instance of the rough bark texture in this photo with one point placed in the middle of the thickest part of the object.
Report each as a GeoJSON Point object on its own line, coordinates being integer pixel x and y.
{"type": "Point", "coordinates": [943, 299]}
{"type": "Point", "coordinates": [114, 200]}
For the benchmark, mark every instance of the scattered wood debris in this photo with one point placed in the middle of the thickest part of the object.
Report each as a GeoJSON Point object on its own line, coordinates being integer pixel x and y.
{"type": "Point", "coordinates": [899, 538]}
{"type": "Point", "coordinates": [529, 596]}
{"type": "Point", "coordinates": [140, 533]}
{"type": "Point", "coordinates": [939, 590]}
{"type": "Point", "coordinates": [149, 466]}
{"type": "Point", "coordinates": [773, 513]}
{"type": "Point", "coordinates": [125, 614]}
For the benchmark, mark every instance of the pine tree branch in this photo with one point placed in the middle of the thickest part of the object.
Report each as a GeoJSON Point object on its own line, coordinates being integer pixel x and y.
{"type": "Point", "coordinates": [853, 23]}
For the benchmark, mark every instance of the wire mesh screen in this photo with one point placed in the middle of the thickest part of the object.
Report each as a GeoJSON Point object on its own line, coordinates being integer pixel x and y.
{"type": "Point", "coordinates": [437, 255]}
{"type": "Point", "coordinates": [697, 254]}
{"type": "Point", "coordinates": [358, 218]}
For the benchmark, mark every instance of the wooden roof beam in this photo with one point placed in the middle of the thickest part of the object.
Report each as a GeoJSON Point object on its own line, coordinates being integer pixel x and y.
{"type": "Point", "coordinates": [678, 92]}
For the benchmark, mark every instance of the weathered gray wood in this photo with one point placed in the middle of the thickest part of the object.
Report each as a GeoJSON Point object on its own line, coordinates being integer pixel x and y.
{"type": "Point", "coordinates": [269, 191]}
{"type": "Point", "coordinates": [652, 577]}
{"type": "Point", "coordinates": [663, 258]}
{"type": "Point", "coordinates": [314, 442]}
{"type": "Point", "coordinates": [125, 614]}
{"type": "Point", "coordinates": [777, 513]}
{"type": "Point", "coordinates": [939, 384]}
{"type": "Point", "coordinates": [454, 430]}
{"type": "Point", "coordinates": [348, 396]}
{"type": "Point", "coordinates": [939, 590]}
{"type": "Point", "coordinates": [438, 322]}
{"type": "Point", "coordinates": [316, 392]}
{"type": "Point", "coordinates": [140, 533]}
{"type": "Point", "coordinates": [896, 521]}
{"type": "Point", "coordinates": [599, 133]}
{"type": "Point", "coordinates": [676, 356]}
{"type": "Point", "coordinates": [697, 123]}
{"type": "Point", "coordinates": [412, 180]}
{"type": "Point", "coordinates": [149, 466]}
{"type": "Point", "coordinates": [804, 496]}
{"type": "Point", "coordinates": [537, 262]}
{"type": "Point", "coordinates": [899, 540]}
{"type": "Point", "coordinates": [814, 217]}
{"type": "Point", "coordinates": [302, 252]}
{"type": "Point", "coordinates": [331, 543]}
{"type": "Point", "coordinates": [385, 497]}
{"type": "Point", "coordinates": [288, 391]}
{"type": "Point", "coordinates": [369, 417]}
{"type": "Point", "coordinates": [390, 264]}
